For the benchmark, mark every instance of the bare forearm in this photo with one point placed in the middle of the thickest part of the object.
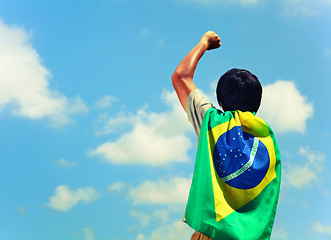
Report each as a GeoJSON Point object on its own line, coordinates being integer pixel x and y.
{"type": "Point", "coordinates": [187, 66]}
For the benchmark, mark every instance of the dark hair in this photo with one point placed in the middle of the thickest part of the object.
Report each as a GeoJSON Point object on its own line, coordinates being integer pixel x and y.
{"type": "Point", "coordinates": [239, 89]}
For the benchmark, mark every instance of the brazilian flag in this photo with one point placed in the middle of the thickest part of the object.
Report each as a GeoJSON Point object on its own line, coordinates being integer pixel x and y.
{"type": "Point", "coordinates": [236, 181]}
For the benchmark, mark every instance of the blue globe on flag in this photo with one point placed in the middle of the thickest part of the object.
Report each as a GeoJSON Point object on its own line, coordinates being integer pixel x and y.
{"type": "Point", "coordinates": [240, 159]}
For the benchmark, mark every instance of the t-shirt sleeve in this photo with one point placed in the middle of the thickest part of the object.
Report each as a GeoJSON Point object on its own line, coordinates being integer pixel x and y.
{"type": "Point", "coordinates": [196, 107]}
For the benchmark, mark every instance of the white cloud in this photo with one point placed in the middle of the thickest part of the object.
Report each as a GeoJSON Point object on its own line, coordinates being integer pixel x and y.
{"type": "Point", "coordinates": [315, 159]}
{"type": "Point", "coordinates": [145, 31]}
{"type": "Point", "coordinates": [278, 233]}
{"type": "Point", "coordinates": [105, 102]}
{"type": "Point", "coordinates": [303, 175]}
{"type": "Point", "coordinates": [65, 163]}
{"type": "Point", "coordinates": [284, 107]}
{"type": "Point", "coordinates": [160, 216]}
{"type": "Point", "coordinates": [118, 123]}
{"type": "Point", "coordinates": [288, 7]}
{"type": "Point", "coordinates": [174, 231]}
{"type": "Point", "coordinates": [21, 210]}
{"type": "Point", "coordinates": [116, 186]}
{"type": "Point", "coordinates": [318, 227]}
{"type": "Point", "coordinates": [300, 176]}
{"type": "Point", "coordinates": [143, 218]}
{"type": "Point", "coordinates": [145, 146]}
{"type": "Point", "coordinates": [64, 199]}
{"type": "Point", "coordinates": [170, 191]}
{"type": "Point", "coordinates": [247, 2]}
{"type": "Point", "coordinates": [89, 233]}
{"type": "Point", "coordinates": [160, 43]}
{"type": "Point", "coordinates": [156, 138]}
{"type": "Point", "coordinates": [305, 7]}
{"type": "Point", "coordinates": [24, 81]}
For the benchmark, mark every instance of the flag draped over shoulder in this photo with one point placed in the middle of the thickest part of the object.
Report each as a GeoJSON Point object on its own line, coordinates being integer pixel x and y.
{"type": "Point", "coordinates": [236, 181]}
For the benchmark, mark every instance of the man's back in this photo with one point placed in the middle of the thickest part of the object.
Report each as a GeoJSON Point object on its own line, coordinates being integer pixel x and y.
{"type": "Point", "coordinates": [237, 170]}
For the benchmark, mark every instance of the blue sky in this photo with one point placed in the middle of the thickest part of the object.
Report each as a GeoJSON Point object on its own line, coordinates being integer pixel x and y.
{"type": "Point", "coordinates": [94, 144]}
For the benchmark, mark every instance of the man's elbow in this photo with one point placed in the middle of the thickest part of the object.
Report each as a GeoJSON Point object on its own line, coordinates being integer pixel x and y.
{"type": "Point", "coordinates": [179, 78]}
{"type": "Point", "coordinates": [175, 78]}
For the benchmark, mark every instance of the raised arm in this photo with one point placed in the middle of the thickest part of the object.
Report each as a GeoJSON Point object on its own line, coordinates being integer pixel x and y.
{"type": "Point", "coordinates": [182, 78]}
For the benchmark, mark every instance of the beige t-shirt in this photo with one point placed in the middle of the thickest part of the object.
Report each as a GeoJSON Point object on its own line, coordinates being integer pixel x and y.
{"type": "Point", "coordinates": [196, 107]}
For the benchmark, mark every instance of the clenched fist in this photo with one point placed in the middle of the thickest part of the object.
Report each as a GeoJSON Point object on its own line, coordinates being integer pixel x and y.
{"type": "Point", "coordinates": [212, 40]}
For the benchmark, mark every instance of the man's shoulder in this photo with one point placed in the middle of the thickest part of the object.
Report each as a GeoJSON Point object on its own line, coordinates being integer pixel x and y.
{"type": "Point", "coordinates": [247, 121]}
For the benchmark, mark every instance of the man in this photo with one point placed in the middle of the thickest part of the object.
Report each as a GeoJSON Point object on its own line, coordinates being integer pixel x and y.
{"type": "Point", "coordinates": [236, 179]}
